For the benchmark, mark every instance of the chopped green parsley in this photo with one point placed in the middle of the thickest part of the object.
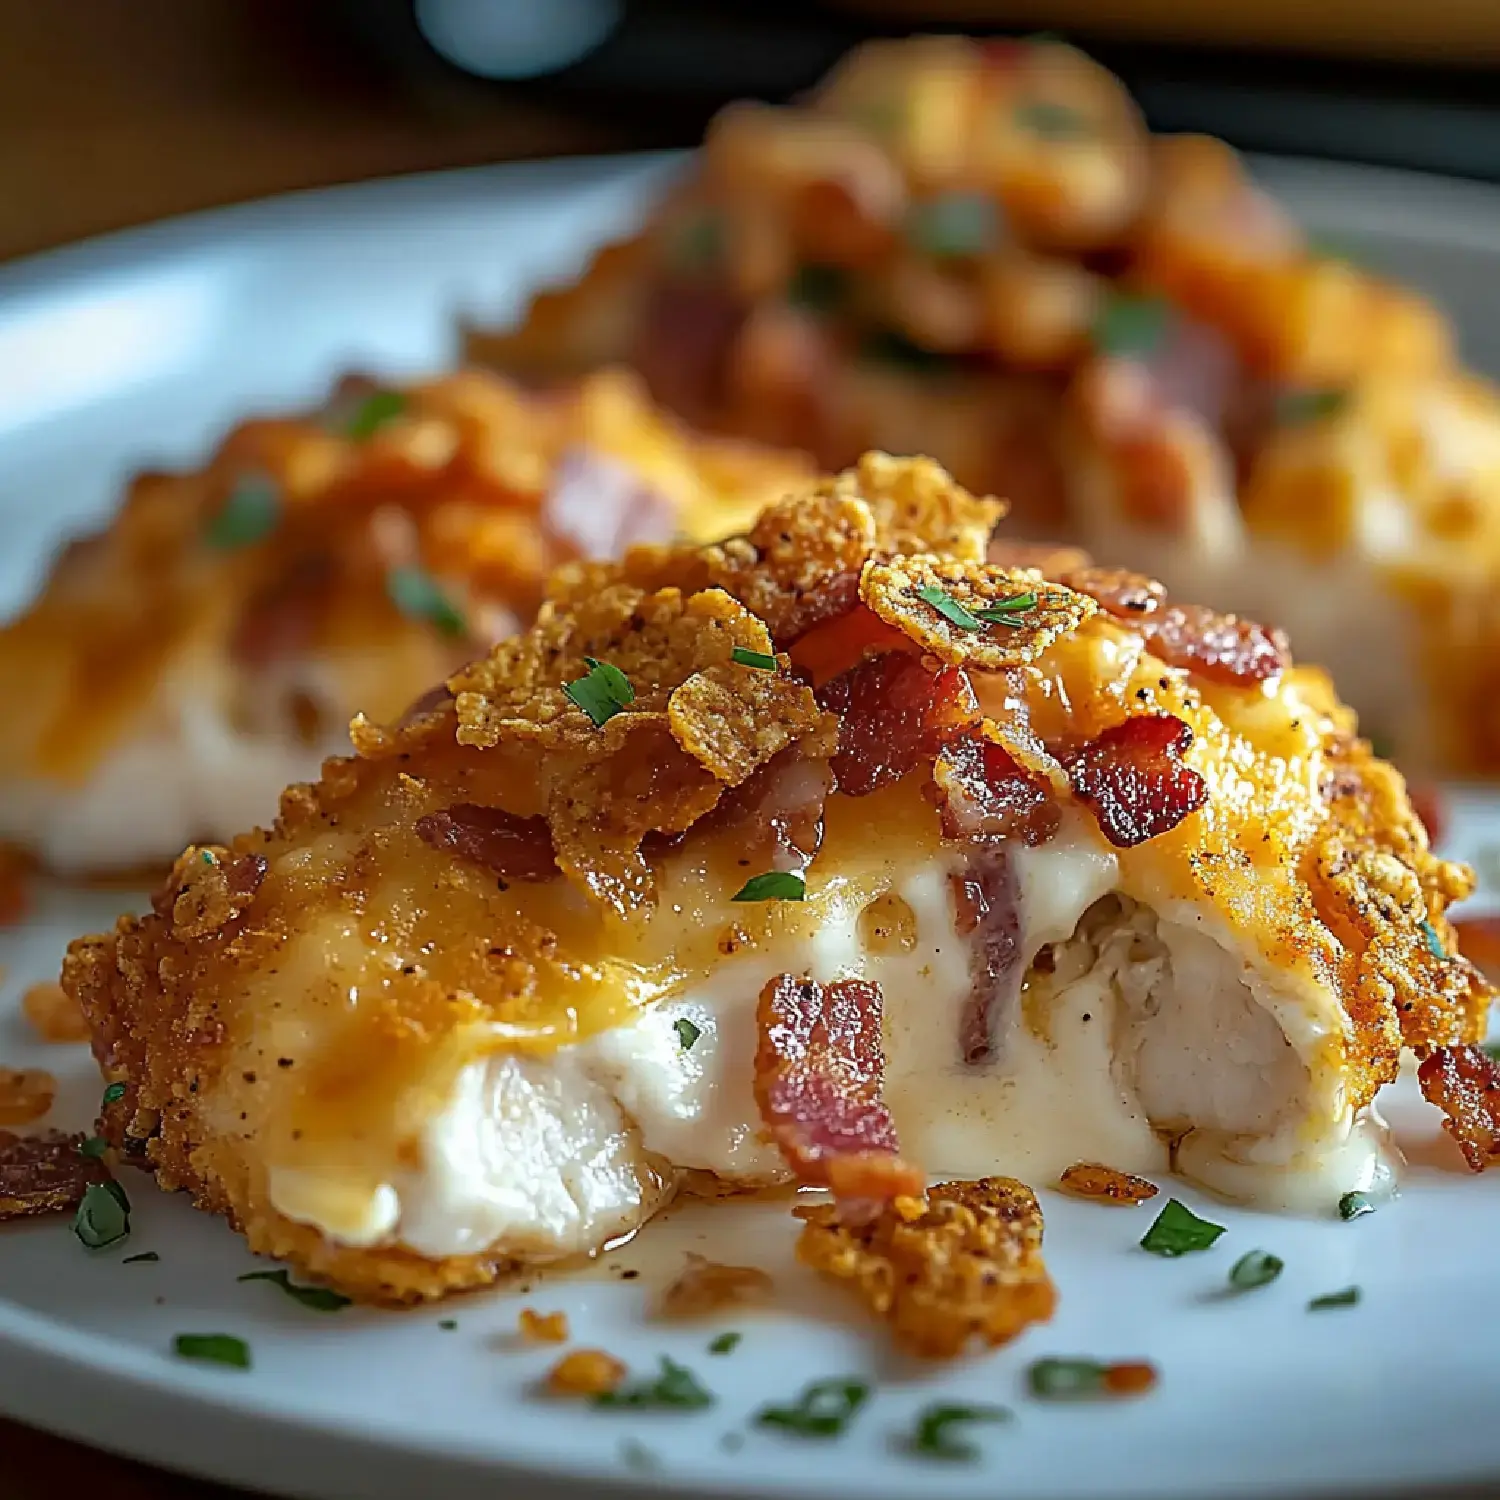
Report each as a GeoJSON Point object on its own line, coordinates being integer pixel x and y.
{"type": "Point", "coordinates": [602, 692]}
{"type": "Point", "coordinates": [1296, 407]}
{"type": "Point", "coordinates": [687, 1033]}
{"type": "Point", "coordinates": [1132, 327]}
{"type": "Point", "coordinates": [1179, 1231]}
{"type": "Point", "coordinates": [378, 409]}
{"type": "Point", "coordinates": [824, 1409]}
{"type": "Point", "coordinates": [1356, 1205]}
{"type": "Point", "coordinates": [1255, 1268]}
{"type": "Point", "coordinates": [934, 1435]}
{"type": "Point", "coordinates": [954, 225]}
{"type": "Point", "coordinates": [744, 657]}
{"type": "Point", "coordinates": [249, 514]}
{"type": "Point", "coordinates": [114, 1093]}
{"type": "Point", "coordinates": [318, 1298]}
{"type": "Point", "coordinates": [215, 1348]}
{"type": "Point", "coordinates": [726, 1343]}
{"type": "Point", "coordinates": [774, 885]}
{"type": "Point", "coordinates": [1346, 1298]}
{"type": "Point", "coordinates": [103, 1216]}
{"type": "Point", "coordinates": [1066, 1379]}
{"type": "Point", "coordinates": [1434, 942]}
{"type": "Point", "coordinates": [136, 1260]}
{"type": "Point", "coordinates": [1052, 121]}
{"type": "Point", "coordinates": [417, 594]}
{"type": "Point", "coordinates": [675, 1387]}
{"type": "Point", "coordinates": [95, 1147]}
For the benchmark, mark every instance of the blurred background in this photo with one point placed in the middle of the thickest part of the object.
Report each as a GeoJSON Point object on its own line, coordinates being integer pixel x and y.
{"type": "Point", "coordinates": [114, 112]}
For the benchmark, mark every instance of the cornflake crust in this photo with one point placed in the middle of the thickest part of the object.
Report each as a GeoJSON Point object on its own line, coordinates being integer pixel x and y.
{"type": "Point", "coordinates": [44, 1174]}
{"type": "Point", "coordinates": [488, 863]}
{"type": "Point", "coordinates": [964, 1266]}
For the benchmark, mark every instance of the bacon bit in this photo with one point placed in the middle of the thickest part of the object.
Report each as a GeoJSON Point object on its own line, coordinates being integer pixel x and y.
{"type": "Point", "coordinates": [280, 621]}
{"type": "Point", "coordinates": [26, 1094]}
{"type": "Point", "coordinates": [208, 888]}
{"type": "Point", "coordinates": [543, 1328]}
{"type": "Point", "coordinates": [1133, 780]}
{"type": "Point", "coordinates": [1222, 648]}
{"type": "Point", "coordinates": [1479, 941]}
{"type": "Point", "coordinates": [986, 797]}
{"type": "Point", "coordinates": [819, 1070]}
{"type": "Point", "coordinates": [54, 1013]}
{"type": "Point", "coordinates": [777, 815]}
{"type": "Point", "coordinates": [514, 848]}
{"type": "Point", "coordinates": [705, 1287]}
{"type": "Point", "coordinates": [1130, 1377]}
{"type": "Point", "coordinates": [1118, 591]}
{"type": "Point", "coordinates": [1464, 1082]}
{"type": "Point", "coordinates": [599, 506]}
{"type": "Point", "coordinates": [1087, 1179]}
{"type": "Point", "coordinates": [837, 645]}
{"type": "Point", "coordinates": [986, 899]}
{"type": "Point", "coordinates": [1427, 802]}
{"type": "Point", "coordinates": [893, 715]}
{"type": "Point", "coordinates": [15, 898]}
{"type": "Point", "coordinates": [966, 1265]}
{"type": "Point", "coordinates": [585, 1372]}
{"type": "Point", "coordinates": [43, 1174]}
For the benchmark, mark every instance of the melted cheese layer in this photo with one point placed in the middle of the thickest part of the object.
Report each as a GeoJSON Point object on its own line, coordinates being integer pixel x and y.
{"type": "Point", "coordinates": [1145, 1040]}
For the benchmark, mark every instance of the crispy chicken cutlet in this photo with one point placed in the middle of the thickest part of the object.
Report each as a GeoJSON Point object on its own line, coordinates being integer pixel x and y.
{"type": "Point", "coordinates": [181, 667]}
{"type": "Point", "coordinates": [976, 250]}
{"type": "Point", "coordinates": [831, 852]}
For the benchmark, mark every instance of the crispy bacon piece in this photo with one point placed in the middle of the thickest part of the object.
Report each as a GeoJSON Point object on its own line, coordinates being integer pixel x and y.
{"type": "Point", "coordinates": [43, 1174]}
{"type": "Point", "coordinates": [964, 1265]}
{"type": "Point", "coordinates": [1087, 1179]}
{"type": "Point", "coordinates": [208, 889]}
{"type": "Point", "coordinates": [282, 618]}
{"type": "Point", "coordinates": [1464, 1082]}
{"type": "Point", "coordinates": [819, 1070]}
{"type": "Point", "coordinates": [986, 797]}
{"type": "Point", "coordinates": [893, 715]}
{"type": "Point", "coordinates": [1479, 940]}
{"type": "Point", "coordinates": [1427, 803]}
{"type": "Point", "coordinates": [988, 915]}
{"type": "Point", "coordinates": [514, 848]}
{"type": "Point", "coordinates": [599, 506]}
{"type": "Point", "coordinates": [1118, 591]}
{"type": "Point", "coordinates": [810, 625]}
{"type": "Point", "coordinates": [1223, 648]}
{"type": "Point", "coordinates": [1133, 780]}
{"type": "Point", "coordinates": [776, 815]}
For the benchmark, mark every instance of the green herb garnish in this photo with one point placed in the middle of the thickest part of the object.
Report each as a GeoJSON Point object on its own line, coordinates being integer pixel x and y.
{"type": "Point", "coordinates": [1491, 1049]}
{"type": "Point", "coordinates": [94, 1147]}
{"type": "Point", "coordinates": [250, 513]}
{"type": "Point", "coordinates": [1005, 611]}
{"type": "Point", "coordinates": [1052, 121]}
{"type": "Point", "coordinates": [687, 1033]}
{"type": "Point", "coordinates": [818, 288]}
{"type": "Point", "coordinates": [1066, 1379]}
{"type": "Point", "coordinates": [760, 660]}
{"type": "Point", "coordinates": [698, 243]}
{"type": "Point", "coordinates": [1179, 1231]}
{"type": "Point", "coordinates": [114, 1093]}
{"type": "Point", "coordinates": [602, 692]}
{"type": "Point", "coordinates": [949, 607]}
{"type": "Point", "coordinates": [1434, 942]}
{"type": "Point", "coordinates": [378, 409]}
{"type": "Point", "coordinates": [1296, 407]}
{"type": "Point", "coordinates": [1255, 1268]}
{"type": "Point", "coordinates": [448, 1324]}
{"type": "Point", "coordinates": [1132, 327]}
{"type": "Point", "coordinates": [103, 1216]}
{"type": "Point", "coordinates": [416, 594]}
{"type": "Point", "coordinates": [1346, 1298]}
{"type": "Point", "coordinates": [934, 1436]}
{"type": "Point", "coordinates": [774, 885]}
{"type": "Point", "coordinates": [1356, 1205]}
{"type": "Point", "coordinates": [954, 225]}
{"type": "Point", "coordinates": [726, 1343]}
{"type": "Point", "coordinates": [823, 1410]}
{"type": "Point", "coordinates": [319, 1298]}
{"type": "Point", "coordinates": [216, 1348]}
{"type": "Point", "coordinates": [676, 1387]}
{"type": "Point", "coordinates": [135, 1260]}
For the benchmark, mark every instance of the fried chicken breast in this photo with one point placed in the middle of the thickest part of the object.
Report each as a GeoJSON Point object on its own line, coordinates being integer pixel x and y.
{"type": "Point", "coordinates": [976, 250]}
{"type": "Point", "coordinates": [181, 667]}
{"type": "Point", "coordinates": [831, 852]}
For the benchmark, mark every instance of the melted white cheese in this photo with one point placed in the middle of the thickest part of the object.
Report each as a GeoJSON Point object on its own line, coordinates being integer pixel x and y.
{"type": "Point", "coordinates": [1146, 1042]}
{"type": "Point", "coordinates": [188, 776]}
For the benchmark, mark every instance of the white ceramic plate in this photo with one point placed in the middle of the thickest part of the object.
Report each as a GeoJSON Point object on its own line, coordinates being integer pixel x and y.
{"type": "Point", "coordinates": [140, 349]}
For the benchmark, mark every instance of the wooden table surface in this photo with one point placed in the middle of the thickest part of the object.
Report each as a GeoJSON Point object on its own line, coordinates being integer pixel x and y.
{"type": "Point", "coordinates": [115, 112]}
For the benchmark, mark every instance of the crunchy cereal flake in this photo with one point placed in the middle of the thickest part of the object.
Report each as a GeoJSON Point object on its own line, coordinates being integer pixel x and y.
{"type": "Point", "coordinates": [894, 591]}
{"type": "Point", "coordinates": [1087, 1179]}
{"type": "Point", "coordinates": [54, 1013]}
{"type": "Point", "coordinates": [585, 1372]}
{"type": "Point", "coordinates": [733, 719]}
{"type": "Point", "coordinates": [542, 1328]}
{"type": "Point", "coordinates": [969, 1266]}
{"type": "Point", "coordinates": [26, 1094]}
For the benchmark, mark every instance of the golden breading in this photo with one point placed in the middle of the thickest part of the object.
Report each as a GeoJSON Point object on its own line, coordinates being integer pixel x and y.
{"type": "Point", "coordinates": [477, 883]}
{"type": "Point", "coordinates": [346, 559]}
{"type": "Point", "coordinates": [963, 1267]}
{"type": "Point", "coordinates": [895, 591]}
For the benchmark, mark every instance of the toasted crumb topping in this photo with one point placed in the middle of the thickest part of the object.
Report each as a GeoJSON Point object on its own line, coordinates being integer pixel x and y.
{"type": "Point", "coordinates": [1087, 1179]}
{"type": "Point", "coordinates": [585, 1372]}
{"type": "Point", "coordinates": [54, 1013]}
{"type": "Point", "coordinates": [542, 1328]}
{"type": "Point", "coordinates": [26, 1094]}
